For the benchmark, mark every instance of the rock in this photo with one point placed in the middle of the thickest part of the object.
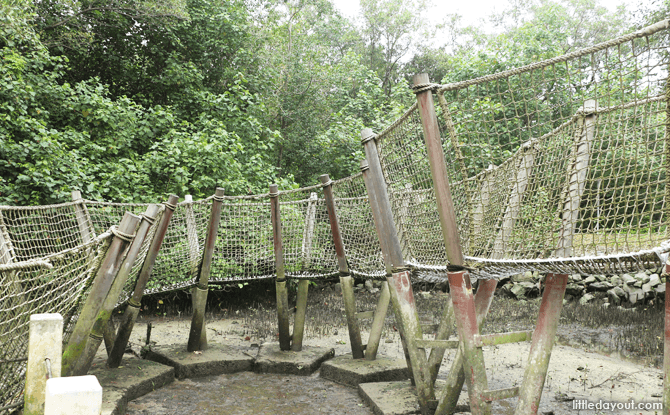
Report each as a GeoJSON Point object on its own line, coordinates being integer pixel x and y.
{"type": "Point", "coordinates": [627, 279]}
{"type": "Point", "coordinates": [585, 299]}
{"type": "Point", "coordinates": [616, 280]}
{"type": "Point", "coordinates": [590, 280]}
{"type": "Point", "coordinates": [338, 288]}
{"type": "Point", "coordinates": [606, 305]}
{"type": "Point", "coordinates": [635, 295]}
{"type": "Point", "coordinates": [600, 286]}
{"type": "Point", "coordinates": [654, 280]}
{"type": "Point", "coordinates": [642, 277]}
{"type": "Point", "coordinates": [600, 278]}
{"type": "Point", "coordinates": [575, 277]}
{"type": "Point", "coordinates": [619, 292]}
{"type": "Point", "coordinates": [519, 290]}
{"type": "Point", "coordinates": [660, 289]}
{"type": "Point", "coordinates": [374, 291]}
{"type": "Point", "coordinates": [525, 277]}
{"type": "Point", "coordinates": [613, 297]}
{"type": "Point", "coordinates": [575, 290]}
{"type": "Point", "coordinates": [369, 285]}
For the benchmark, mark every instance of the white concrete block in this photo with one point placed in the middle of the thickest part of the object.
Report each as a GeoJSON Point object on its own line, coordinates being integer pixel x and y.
{"type": "Point", "coordinates": [74, 395]}
{"type": "Point", "coordinates": [45, 340]}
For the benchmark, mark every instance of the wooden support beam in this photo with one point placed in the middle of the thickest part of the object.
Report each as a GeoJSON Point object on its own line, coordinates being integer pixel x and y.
{"type": "Point", "coordinates": [83, 218]}
{"type": "Point", "coordinates": [543, 342]}
{"type": "Point", "coordinates": [197, 338]}
{"type": "Point", "coordinates": [299, 319]}
{"type": "Point", "coordinates": [280, 282]}
{"type": "Point", "coordinates": [500, 394]}
{"type": "Point", "coordinates": [378, 318]}
{"type": "Point", "coordinates": [133, 308]}
{"type": "Point", "coordinates": [100, 324]}
{"type": "Point", "coordinates": [98, 292]}
{"type": "Point", "coordinates": [345, 279]}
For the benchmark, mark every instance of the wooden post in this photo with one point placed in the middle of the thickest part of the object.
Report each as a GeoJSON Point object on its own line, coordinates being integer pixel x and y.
{"type": "Point", "coordinates": [45, 341]}
{"type": "Point", "coordinates": [378, 323]}
{"type": "Point", "coordinates": [524, 171]}
{"type": "Point", "coordinates": [456, 376]}
{"type": "Point", "coordinates": [83, 364]}
{"type": "Point", "coordinates": [83, 218]}
{"type": "Point", "coordinates": [459, 281]}
{"type": "Point", "coordinates": [99, 290]}
{"type": "Point", "coordinates": [299, 319]}
{"type": "Point", "coordinates": [579, 168]}
{"type": "Point", "coordinates": [402, 297]}
{"type": "Point", "coordinates": [280, 284]}
{"type": "Point", "coordinates": [666, 340]}
{"type": "Point", "coordinates": [484, 201]}
{"type": "Point", "coordinates": [197, 339]}
{"type": "Point", "coordinates": [542, 343]}
{"type": "Point", "coordinates": [438, 170]}
{"type": "Point", "coordinates": [133, 308]}
{"type": "Point", "coordinates": [345, 279]}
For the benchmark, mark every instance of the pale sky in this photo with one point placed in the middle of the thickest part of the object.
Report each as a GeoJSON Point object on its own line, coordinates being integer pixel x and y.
{"type": "Point", "coordinates": [471, 10]}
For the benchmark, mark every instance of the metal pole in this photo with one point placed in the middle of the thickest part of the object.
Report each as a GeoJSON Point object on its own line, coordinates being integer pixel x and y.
{"type": "Point", "coordinates": [345, 279]}
{"type": "Point", "coordinates": [83, 364]}
{"type": "Point", "coordinates": [133, 308]}
{"type": "Point", "coordinates": [197, 338]}
{"type": "Point", "coordinates": [99, 290]}
{"type": "Point", "coordinates": [280, 283]}
{"type": "Point", "coordinates": [542, 343]}
{"type": "Point", "coordinates": [402, 296]}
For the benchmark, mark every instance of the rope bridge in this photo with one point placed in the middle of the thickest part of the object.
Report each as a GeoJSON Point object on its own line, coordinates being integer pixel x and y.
{"type": "Point", "coordinates": [560, 166]}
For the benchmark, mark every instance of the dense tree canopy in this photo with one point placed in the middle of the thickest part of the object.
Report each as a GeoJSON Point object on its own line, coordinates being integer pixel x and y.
{"type": "Point", "coordinates": [129, 100]}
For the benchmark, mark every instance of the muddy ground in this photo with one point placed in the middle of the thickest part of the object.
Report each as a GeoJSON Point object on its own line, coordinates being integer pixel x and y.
{"type": "Point", "coordinates": [248, 318]}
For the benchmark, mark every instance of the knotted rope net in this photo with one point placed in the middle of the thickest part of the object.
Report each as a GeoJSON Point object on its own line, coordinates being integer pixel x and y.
{"type": "Point", "coordinates": [558, 166]}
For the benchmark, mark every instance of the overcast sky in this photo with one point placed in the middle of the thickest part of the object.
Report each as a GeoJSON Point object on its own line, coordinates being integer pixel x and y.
{"type": "Point", "coordinates": [471, 10]}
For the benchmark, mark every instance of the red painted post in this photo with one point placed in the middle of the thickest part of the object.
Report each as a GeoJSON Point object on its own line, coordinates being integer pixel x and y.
{"type": "Point", "coordinates": [530, 391]}
{"type": "Point", "coordinates": [197, 338]}
{"type": "Point", "coordinates": [345, 279]}
{"type": "Point", "coordinates": [456, 376]}
{"type": "Point", "coordinates": [473, 356]}
{"type": "Point", "coordinates": [280, 283]}
{"type": "Point", "coordinates": [133, 308]}
{"type": "Point", "coordinates": [666, 344]}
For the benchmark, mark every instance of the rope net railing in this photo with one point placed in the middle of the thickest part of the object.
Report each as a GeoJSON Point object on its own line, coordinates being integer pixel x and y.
{"type": "Point", "coordinates": [559, 166]}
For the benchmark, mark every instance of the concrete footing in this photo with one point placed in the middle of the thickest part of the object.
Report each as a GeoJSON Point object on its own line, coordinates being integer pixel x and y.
{"type": "Point", "coordinates": [352, 372]}
{"type": "Point", "coordinates": [217, 359]}
{"type": "Point", "coordinates": [271, 359]}
{"type": "Point", "coordinates": [134, 378]}
{"type": "Point", "coordinates": [396, 398]}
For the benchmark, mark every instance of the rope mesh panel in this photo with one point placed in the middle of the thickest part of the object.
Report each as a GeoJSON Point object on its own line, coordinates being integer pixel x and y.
{"type": "Point", "coordinates": [29, 289]}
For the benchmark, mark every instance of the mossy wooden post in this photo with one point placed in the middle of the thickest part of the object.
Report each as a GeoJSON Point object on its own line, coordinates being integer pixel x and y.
{"type": "Point", "coordinates": [83, 364]}
{"type": "Point", "coordinates": [83, 218]}
{"type": "Point", "coordinates": [666, 342]}
{"type": "Point", "coordinates": [378, 319]}
{"type": "Point", "coordinates": [346, 280]}
{"type": "Point", "coordinates": [99, 290]}
{"type": "Point", "coordinates": [374, 339]}
{"type": "Point", "coordinates": [133, 307]}
{"type": "Point", "coordinates": [400, 287]}
{"type": "Point", "coordinates": [197, 339]}
{"type": "Point", "coordinates": [535, 374]}
{"type": "Point", "coordinates": [280, 282]}
{"type": "Point", "coordinates": [303, 285]}
{"type": "Point", "coordinates": [459, 280]}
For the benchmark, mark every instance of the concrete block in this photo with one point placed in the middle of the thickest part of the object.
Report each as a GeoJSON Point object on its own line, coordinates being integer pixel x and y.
{"type": "Point", "coordinates": [271, 359]}
{"type": "Point", "coordinates": [351, 372]}
{"type": "Point", "coordinates": [217, 359]}
{"type": "Point", "coordinates": [74, 395]}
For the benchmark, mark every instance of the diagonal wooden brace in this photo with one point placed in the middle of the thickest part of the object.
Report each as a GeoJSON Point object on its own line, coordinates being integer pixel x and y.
{"type": "Point", "coordinates": [543, 341]}
{"type": "Point", "coordinates": [456, 376]}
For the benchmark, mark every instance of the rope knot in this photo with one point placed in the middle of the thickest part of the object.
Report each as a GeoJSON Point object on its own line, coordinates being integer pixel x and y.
{"type": "Point", "coordinates": [418, 88]}
{"type": "Point", "coordinates": [128, 237]}
{"type": "Point", "coordinates": [170, 206]}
